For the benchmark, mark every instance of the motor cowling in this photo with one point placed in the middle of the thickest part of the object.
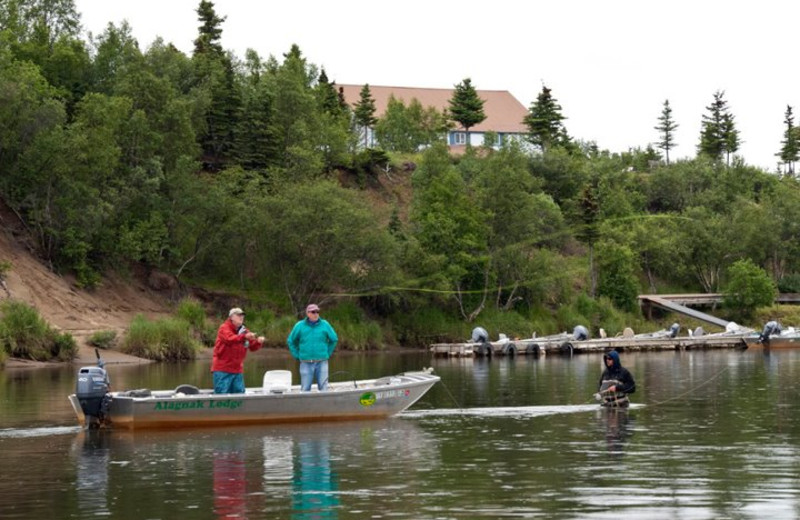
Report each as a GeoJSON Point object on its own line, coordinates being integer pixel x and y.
{"type": "Point", "coordinates": [91, 390]}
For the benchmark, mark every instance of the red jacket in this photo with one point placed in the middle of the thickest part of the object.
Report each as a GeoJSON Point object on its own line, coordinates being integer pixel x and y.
{"type": "Point", "coordinates": [229, 349]}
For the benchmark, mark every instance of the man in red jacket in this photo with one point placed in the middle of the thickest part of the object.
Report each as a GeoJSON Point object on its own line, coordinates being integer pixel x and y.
{"type": "Point", "coordinates": [230, 349]}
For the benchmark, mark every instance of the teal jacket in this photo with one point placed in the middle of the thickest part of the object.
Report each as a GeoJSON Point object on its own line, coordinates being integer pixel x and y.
{"type": "Point", "coordinates": [312, 341]}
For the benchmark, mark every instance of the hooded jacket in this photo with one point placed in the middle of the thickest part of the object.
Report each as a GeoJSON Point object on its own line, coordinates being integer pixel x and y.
{"type": "Point", "coordinates": [618, 373]}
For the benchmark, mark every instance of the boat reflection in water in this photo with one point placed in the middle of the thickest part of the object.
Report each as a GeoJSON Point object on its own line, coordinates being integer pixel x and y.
{"type": "Point", "coordinates": [93, 455]}
{"type": "Point", "coordinates": [293, 471]}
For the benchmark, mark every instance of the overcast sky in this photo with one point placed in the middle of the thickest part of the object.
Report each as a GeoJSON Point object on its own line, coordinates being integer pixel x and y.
{"type": "Point", "coordinates": [610, 64]}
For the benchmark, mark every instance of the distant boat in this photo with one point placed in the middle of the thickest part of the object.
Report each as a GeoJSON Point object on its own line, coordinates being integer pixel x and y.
{"type": "Point", "coordinates": [774, 336]}
{"type": "Point", "coordinates": [276, 402]}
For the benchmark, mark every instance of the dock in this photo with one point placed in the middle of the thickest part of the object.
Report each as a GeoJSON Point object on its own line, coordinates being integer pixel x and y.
{"type": "Point", "coordinates": [534, 347]}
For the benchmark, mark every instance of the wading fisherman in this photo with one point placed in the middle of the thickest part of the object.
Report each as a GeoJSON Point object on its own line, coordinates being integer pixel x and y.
{"type": "Point", "coordinates": [615, 383]}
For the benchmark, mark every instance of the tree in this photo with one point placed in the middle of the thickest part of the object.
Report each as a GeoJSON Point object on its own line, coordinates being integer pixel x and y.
{"type": "Point", "coordinates": [666, 127]}
{"type": "Point", "coordinates": [790, 146]}
{"type": "Point", "coordinates": [544, 122]}
{"type": "Point", "coordinates": [451, 231]}
{"type": "Point", "coordinates": [365, 113]}
{"type": "Point", "coordinates": [297, 117]}
{"type": "Point", "coordinates": [208, 41]}
{"type": "Point", "coordinates": [408, 128]}
{"type": "Point", "coordinates": [589, 208]}
{"type": "Point", "coordinates": [215, 78]}
{"type": "Point", "coordinates": [617, 277]}
{"type": "Point", "coordinates": [466, 108]}
{"type": "Point", "coordinates": [317, 239]}
{"type": "Point", "coordinates": [718, 135]}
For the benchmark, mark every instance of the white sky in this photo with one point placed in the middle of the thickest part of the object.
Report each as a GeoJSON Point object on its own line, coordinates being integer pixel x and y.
{"type": "Point", "coordinates": [610, 64]}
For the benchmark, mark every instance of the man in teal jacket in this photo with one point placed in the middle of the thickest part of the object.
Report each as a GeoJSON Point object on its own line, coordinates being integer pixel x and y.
{"type": "Point", "coordinates": [311, 342]}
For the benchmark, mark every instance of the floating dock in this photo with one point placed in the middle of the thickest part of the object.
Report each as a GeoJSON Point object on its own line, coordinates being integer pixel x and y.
{"type": "Point", "coordinates": [538, 347]}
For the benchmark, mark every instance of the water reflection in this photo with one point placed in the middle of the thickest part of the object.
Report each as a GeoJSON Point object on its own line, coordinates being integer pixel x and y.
{"type": "Point", "coordinates": [93, 456]}
{"type": "Point", "coordinates": [315, 483]}
{"type": "Point", "coordinates": [230, 479]}
{"type": "Point", "coordinates": [616, 423]}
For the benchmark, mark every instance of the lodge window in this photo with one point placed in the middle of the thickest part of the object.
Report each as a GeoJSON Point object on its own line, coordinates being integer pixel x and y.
{"type": "Point", "coordinates": [459, 138]}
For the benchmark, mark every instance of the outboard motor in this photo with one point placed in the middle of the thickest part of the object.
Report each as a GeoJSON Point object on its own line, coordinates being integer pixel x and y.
{"type": "Point", "coordinates": [479, 335]}
{"type": "Point", "coordinates": [674, 329]}
{"type": "Point", "coordinates": [92, 393]}
{"type": "Point", "coordinates": [580, 333]}
{"type": "Point", "coordinates": [770, 328]}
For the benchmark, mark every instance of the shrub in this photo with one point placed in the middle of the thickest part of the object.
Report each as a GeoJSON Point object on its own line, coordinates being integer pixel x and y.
{"type": "Point", "coordinates": [429, 325]}
{"type": "Point", "coordinates": [25, 334]}
{"type": "Point", "coordinates": [355, 330]}
{"type": "Point", "coordinates": [789, 283]}
{"type": "Point", "coordinates": [64, 347]}
{"type": "Point", "coordinates": [104, 339]}
{"type": "Point", "coordinates": [192, 312]}
{"type": "Point", "coordinates": [748, 288]}
{"type": "Point", "coordinates": [168, 339]}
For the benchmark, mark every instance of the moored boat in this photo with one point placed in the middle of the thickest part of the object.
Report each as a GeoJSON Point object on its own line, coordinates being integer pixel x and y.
{"type": "Point", "coordinates": [774, 336]}
{"type": "Point", "coordinates": [276, 402]}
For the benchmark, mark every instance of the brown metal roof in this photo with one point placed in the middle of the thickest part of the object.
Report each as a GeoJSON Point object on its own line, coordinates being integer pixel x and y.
{"type": "Point", "coordinates": [503, 112]}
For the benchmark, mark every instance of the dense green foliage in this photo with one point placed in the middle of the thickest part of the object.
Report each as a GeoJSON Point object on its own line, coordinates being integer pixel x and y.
{"type": "Point", "coordinates": [749, 287]}
{"type": "Point", "coordinates": [239, 174]}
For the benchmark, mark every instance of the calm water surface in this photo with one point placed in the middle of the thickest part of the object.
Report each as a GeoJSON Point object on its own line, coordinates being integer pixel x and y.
{"type": "Point", "coordinates": [711, 435]}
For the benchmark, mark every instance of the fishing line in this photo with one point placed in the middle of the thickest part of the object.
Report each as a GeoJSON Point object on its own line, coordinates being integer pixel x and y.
{"type": "Point", "coordinates": [704, 383]}
{"type": "Point", "coordinates": [458, 405]}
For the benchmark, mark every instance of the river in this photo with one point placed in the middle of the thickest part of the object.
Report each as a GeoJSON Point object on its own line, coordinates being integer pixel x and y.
{"type": "Point", "coordinates": [711, 434]}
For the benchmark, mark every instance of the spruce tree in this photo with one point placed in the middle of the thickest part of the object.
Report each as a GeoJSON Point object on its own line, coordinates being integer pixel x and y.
{"type": "Point", "coordinates": [365, 113]}
{"type": "Point", "coordinates": [466, 108]}
{"type": "Point", "coordinates": [666, 127]}
{"type": "Point", "coordinates": [790, 147]}
{"type": "Point", "coordinates": [208, 41]}
{"type": "Point", "coordinates": [719, 134]}
{"type": "Point", "coordinates": [214, 74]}
{"type": "Point", "coordinates": [544, 122]}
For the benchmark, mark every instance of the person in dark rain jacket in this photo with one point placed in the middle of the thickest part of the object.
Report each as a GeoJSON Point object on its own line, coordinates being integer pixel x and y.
{"type": "Point", "coordinates": [616, 382]}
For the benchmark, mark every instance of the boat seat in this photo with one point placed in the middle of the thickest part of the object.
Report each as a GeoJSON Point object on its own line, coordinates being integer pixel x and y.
{"type": "Point", "coordinates": [277, 381]}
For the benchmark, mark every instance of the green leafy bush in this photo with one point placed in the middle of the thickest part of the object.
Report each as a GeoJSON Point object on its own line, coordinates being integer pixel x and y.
{"type": "Point", "coordinates": [789, 283]}
{"type": "Point", "coordinates": [168, 339]}
{"type": "Point", "coordinates": [748, 288]}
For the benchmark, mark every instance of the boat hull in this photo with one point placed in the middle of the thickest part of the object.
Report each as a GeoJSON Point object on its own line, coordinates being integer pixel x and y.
{"type": "Point", "coordinates": [371, 399]}
{"type": "Point", "coordinates": [774, 342]}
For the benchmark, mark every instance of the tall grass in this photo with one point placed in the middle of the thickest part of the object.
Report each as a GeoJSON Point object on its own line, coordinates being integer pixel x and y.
{"type": "Point", "coordinates": [355, 330]}
{"type": "Point", "coordinates": [168, 339]}
{"type": "Point", "coordinates": [192, 312]}
{"type": "Point", "coordinates": [25, 334]}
